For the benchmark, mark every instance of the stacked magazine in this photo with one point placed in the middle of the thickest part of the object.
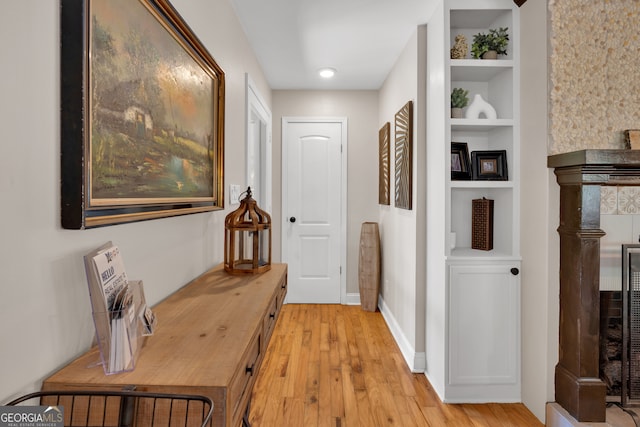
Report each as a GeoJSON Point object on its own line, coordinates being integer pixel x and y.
{"type": "Point", "coordinates": [120, 313]}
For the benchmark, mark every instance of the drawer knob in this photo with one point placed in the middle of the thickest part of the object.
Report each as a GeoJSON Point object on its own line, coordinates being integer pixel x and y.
{"type": "Point", "coordinates": [272, 315]}
{"type": "Point", "coordinates": [249, 369]}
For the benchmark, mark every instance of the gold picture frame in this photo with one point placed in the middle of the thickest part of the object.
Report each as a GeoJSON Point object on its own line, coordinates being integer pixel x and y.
{"type": "Point", "coordinates": [142, 115]}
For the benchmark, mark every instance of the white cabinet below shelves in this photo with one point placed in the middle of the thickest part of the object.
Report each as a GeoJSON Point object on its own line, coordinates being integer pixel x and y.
{"type": "Point", "coordinates": [484, 332]}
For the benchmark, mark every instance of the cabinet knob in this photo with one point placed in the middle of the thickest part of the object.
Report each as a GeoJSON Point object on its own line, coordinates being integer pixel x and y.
{"type": "Point", "coordinates": [515, 271]}
{"type": "Point", "coordinates": [292, 219]}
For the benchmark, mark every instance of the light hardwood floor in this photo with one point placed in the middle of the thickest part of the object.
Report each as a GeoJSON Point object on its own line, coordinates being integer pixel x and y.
{"type": "Point", "coordinates": [334, 365]}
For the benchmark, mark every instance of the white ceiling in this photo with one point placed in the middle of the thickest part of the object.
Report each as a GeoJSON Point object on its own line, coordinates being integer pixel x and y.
{"type": "Point", "coordinates": [361, 39]}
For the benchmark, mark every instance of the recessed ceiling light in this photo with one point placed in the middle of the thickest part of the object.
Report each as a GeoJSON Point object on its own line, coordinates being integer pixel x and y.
{"type": "Point", "coordinates": [327, 73]}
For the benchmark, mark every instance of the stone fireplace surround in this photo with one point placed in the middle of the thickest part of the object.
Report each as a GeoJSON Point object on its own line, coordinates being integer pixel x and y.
{"type": "Point", "coordinates": [580, 174]}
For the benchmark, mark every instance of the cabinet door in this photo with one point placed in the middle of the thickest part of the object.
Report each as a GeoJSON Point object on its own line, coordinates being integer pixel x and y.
{"type": "Point", "coordinates": [484, 324]}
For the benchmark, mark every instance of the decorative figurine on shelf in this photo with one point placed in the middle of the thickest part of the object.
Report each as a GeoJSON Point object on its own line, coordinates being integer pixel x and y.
{"type": "Point", "coordinates": [460, 47]}
{"type": "Point", "coordinates": [247, 238]}
{"type": "Point", "coordinates": [479, 107]}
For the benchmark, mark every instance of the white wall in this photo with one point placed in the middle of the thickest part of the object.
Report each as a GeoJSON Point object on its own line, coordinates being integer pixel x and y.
{"type": "Point", "coordinates": [436, 316]}
{"type": "Point", "coordinates": [402, 294]}
{"type": "Point", "coordinates": [45, 314]}
{"type": "Point", "coordinates": [360, 109]}
{"type": "Point", "coordinates": [539, 318]}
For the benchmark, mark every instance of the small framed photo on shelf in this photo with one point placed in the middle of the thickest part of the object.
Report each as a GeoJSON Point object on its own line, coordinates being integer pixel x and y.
{"type": "Point", "coordinates": [489, 165]}
{"type": "Point", "coordinates": [460, 165]}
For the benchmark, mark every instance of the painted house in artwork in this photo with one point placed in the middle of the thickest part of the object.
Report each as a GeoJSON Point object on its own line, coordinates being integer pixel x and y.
{"type": "Point", "coordinates": [122, 109]}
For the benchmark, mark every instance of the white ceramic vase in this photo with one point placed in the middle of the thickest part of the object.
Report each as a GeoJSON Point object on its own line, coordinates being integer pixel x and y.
{"type": "Point", "coordinates": [479, 107]}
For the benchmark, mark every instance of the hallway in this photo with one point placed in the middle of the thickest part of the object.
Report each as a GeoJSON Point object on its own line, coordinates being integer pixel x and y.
{"type": "Point", "coordinates": [335, 365]}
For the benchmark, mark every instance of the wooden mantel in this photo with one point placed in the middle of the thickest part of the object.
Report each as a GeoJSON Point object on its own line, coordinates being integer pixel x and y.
{"type": "Point", "coordinates": [613, 161]}
{"type": "Point", "coordinates": [578, 388]}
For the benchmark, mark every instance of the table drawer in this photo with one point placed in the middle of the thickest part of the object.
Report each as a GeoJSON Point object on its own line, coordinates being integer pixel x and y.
{"type": "Point", "coordinates": [271, 316]}
{"type": "Point", "coordinates": [283, 288]}
{"type": "Point", "coordinates": [242, 383]}
{"type": "Point", "coordinates": [269, 320]}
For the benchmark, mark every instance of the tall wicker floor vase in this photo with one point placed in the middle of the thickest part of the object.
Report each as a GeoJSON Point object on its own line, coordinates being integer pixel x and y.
{"type": "Point", "coordinates": [369, 266]}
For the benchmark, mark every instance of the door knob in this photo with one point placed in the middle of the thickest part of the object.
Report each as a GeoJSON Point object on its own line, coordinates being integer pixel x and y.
{"type": "Point", "coordinates": [292, 219]}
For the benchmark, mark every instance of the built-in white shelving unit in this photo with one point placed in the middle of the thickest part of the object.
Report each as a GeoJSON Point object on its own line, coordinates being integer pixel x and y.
{"type": "Point", "coordinates": [482, 288]}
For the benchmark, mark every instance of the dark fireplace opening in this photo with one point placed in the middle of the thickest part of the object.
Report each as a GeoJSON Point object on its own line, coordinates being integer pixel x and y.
{"type": "Point", "coordinates": [620, 333]}
{"type": "Point", "coordinates": [611, 343]}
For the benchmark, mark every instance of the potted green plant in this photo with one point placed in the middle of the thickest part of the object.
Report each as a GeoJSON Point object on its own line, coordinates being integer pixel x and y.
{"type": "Point", "coordinates": [489, 46]}
{"type": "Point", "coordinates": [459, 100]}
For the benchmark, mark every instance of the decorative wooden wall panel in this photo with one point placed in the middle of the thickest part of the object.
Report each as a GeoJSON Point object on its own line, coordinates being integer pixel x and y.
{"type": "Point", "coordinates": [384, 173]}
{"type": "Point", "coordinates": [404, 157]}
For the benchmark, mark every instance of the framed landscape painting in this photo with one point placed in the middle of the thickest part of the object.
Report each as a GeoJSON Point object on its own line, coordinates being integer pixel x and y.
{"type": "Point", "coordinates": [142, 115]}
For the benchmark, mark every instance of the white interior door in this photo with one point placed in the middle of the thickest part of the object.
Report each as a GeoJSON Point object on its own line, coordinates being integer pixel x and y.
{"type": "Point", "coordinates": [313, 189]}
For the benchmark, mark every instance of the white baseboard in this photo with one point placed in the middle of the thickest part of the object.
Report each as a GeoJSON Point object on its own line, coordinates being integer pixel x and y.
{"type": "Point", "coordinates": [415, 361]}
{"type": "Point", "coordinates": [352, 299]}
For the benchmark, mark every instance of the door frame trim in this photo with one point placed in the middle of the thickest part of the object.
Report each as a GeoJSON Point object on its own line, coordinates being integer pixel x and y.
{"type": "Point", "coordinates": [286, 120]}
{"type": "Point", "coordinates": [254, 102]}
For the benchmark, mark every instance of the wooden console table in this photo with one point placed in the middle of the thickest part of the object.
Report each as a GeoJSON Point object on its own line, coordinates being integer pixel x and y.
{"type": "Point", "coordinates": [211, 338]}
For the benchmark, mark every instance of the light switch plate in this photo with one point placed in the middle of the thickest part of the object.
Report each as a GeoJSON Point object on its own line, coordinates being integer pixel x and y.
{"type": "Point", "coordinates": [234, 194]}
